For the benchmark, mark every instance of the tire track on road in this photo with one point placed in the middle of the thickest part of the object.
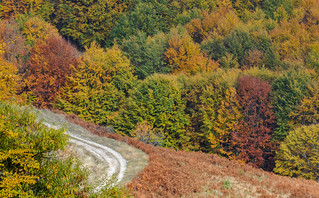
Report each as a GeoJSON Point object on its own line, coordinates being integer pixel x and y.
{"type": "Point", "coordinates": [115, 161]}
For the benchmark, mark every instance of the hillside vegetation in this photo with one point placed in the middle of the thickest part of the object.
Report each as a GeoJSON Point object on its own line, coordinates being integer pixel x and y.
{"type": "Point", "coordinates": [171, 173]}
{"type": "Point", "coordinates": [235, 78]}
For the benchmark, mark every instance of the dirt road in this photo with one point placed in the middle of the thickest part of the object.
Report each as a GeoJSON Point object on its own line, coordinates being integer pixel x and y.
{"type": "Point", "coordinates": [104, 158]}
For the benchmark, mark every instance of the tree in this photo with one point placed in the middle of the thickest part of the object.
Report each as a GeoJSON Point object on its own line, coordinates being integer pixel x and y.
{"type": "Point", "coordinates": [252, 142]}
{"type": "Point", "coordinates": [12, 42]}
{"type": "Point", "coordinates": [98, 86]}
{"type": "Point", "coordinates": [220, 22]}
{"type": "Point", "coordinates": [298, 154]}
{"type": "Point", "coordinates": [156, 101]}
{"type": "Point", "coordinates": [205, 95]}
{"type": "Point", "coordinates": [34, 28]}
{"type": "Point", "coordinates": [29, 164]}
{"type": "Point", "coordinates": [9, 80]}
{"type": "Point", "coordinates": [144, 17]}
{"type": "Point", "coordinates": [86, 21]}
{"type": "Point", "coordinates": [11, 8]}
{"type": "Point", "coordinates": [221, 116]}
{"type": "Point", "coordinates": [307, 112]}
{"type": "Point", "coordinates": [288, 90]}
{"type": "Point", "coordinates": [183, 55]}
{"type": "Point", "coordinates": [47, 70]}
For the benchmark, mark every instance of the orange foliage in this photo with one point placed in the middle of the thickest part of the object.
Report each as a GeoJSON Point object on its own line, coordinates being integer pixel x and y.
{"type": "Point", "coordinates": [49, 65]}
{"type": "Point", "coordinates": [185, 56]}
{"type": "Point", "coordinates": [221, 22]}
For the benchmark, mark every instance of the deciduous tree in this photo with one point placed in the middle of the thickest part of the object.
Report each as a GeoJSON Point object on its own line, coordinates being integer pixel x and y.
{"type": "Point", "coordinates": [47, 70]}
{"type": "Point", "coordinates": [288, 90]}
{"type": "Point", "coordinates": [156, 100]}
{"type": "Point", "coordinates": [99, 85]}
{"type": "Point", "coordinates": [87, 21]}
{"type": "Point", "coordinates": [147, 53]}
{"type": "Point", "coordinates": [298, 154]}
{"type": "Point", "coordinates": [252, 142]}
{"type": "Point", "coordinates": [183, 55]}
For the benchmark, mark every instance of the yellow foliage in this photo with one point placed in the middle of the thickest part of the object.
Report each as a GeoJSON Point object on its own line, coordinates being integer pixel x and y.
{"type": "Point", "coordinates": [9, 80]}
{"type": "Point", "coordinates": [308, 111]}
{"type": "Point", "coordinates": [35, 28]}
{"type": "Point", "coordinates": [227, 118]}
{"type": "Point", "coordinates": [298, 155]}
{"type": "Point", "coordinates": [13, 7]}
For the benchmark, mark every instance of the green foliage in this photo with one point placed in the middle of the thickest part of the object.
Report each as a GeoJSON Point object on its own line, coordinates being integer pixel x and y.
{"type": "Point", "coordinates": [28, 162]}
{"type": "Point", "coordinates": [205, 95]}
{"type": "Point", "coordinates": [288, 90]}
{"type": "Point", "coordinates": [152, 16]}
{"type": "Point", "coordinates": [86, 21]}
{"type": "Point", "coordinates": [144, 17]}
{"type": "Point", "coordinates": [156, 100]}
{"type": "Point", "coordinates": [98, 86]}
{"type": "Point", "coordinates": [298, 154]}
{"type": "Point", "coordinates": [147, 53]}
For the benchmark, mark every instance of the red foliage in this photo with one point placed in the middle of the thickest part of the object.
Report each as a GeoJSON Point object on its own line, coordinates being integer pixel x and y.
{"type": "Point", "coordinates": [49, 65]}
{"type": "Point", "coordinates": [253, 140]}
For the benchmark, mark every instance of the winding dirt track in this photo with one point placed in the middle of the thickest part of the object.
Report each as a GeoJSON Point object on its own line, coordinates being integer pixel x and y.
{"type": "Point", "coordinates": [115, 162]}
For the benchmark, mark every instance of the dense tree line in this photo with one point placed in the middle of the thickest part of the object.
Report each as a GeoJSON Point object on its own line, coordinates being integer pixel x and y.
{"type": "Point", "coordinates": [237, 78]}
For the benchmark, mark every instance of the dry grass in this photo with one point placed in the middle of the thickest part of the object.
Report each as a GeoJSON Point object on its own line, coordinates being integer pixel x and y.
{"type": "Point", "coordinates": [173, 173]}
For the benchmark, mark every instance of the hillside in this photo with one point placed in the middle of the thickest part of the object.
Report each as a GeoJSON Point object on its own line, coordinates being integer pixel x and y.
{"type": "Point", "coordinates": [197, 79]}
{"type": "Point", "coordinates": [171, 173]}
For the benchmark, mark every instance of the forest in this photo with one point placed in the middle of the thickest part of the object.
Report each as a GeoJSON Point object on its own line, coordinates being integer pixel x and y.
{"type": "Point", "coordinates": [237, 78]}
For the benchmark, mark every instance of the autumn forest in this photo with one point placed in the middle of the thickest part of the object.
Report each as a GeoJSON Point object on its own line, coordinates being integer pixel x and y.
{"type": "Point", "coordinates": [237, 78]}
